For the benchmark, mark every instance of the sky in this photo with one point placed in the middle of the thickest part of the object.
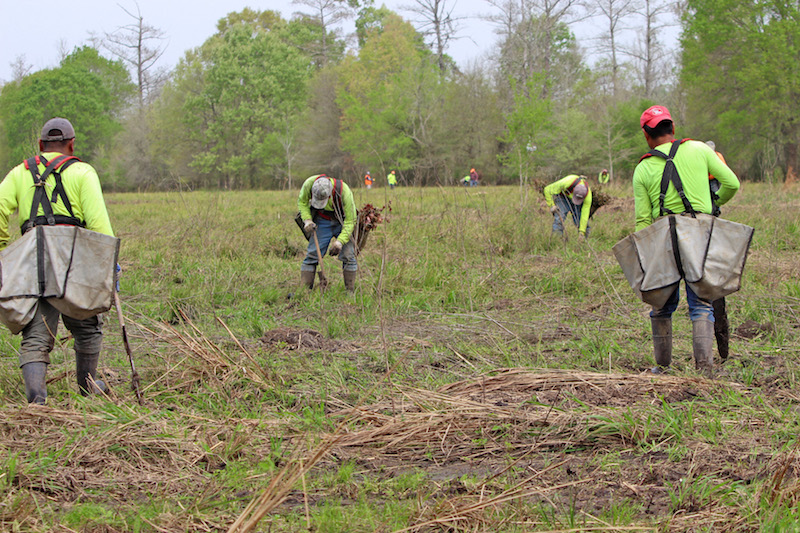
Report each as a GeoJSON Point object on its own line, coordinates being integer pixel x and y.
{"type": "Point", "coordinates": [39, 34]}
{"type": "Point", "coordinates": [26, 29]}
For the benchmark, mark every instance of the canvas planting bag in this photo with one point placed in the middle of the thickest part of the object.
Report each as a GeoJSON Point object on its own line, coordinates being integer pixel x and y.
{"type": "Point", "coordinates": [56, 259]}
{"type": "Point", "coordinates": [707, 251]}
{"type": "Point", "coordinates": [71, 267]}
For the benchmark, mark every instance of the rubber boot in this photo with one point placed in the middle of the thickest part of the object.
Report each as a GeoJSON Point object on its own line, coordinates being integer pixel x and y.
{"type": "Point", "coordinates": [85, 366]}
{"type": "Point", "coordinates": [721, 328]}
{"type": "Point", "coordinates": [662, 343]}
{"type": "Point", "coordinates": [349, 280]}
{"type": "Point", "coordinates": [35, 384]}
{"type": "Point", "coordinates": [703, 346]}
{"type": "Point", "coordinates": [307, 278]}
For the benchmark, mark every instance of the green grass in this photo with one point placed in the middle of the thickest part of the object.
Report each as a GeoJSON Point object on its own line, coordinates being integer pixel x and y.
{"type": "Point", "coordinates": [456, 285]}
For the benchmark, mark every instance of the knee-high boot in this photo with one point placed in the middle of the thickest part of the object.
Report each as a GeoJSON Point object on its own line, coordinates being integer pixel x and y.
{"type": "Point", "coordinates": [35, 383]}
{"type": "Point", "coordinates": [307, 278]}
{"type": "Point", "coordinates": [662, 343]}
{"type": "Point", "coordinates": [86, 366]}
{"type": "Point", "coordinates": [703, 345]}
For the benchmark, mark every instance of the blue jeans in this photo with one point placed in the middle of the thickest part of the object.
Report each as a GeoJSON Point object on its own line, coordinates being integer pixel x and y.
{"type": "Point", "coordinates": [326, 231]}
{"type": "Point", "coordinates": [566, 207]}
{"type": "Point", "coordinates": [698, 308]}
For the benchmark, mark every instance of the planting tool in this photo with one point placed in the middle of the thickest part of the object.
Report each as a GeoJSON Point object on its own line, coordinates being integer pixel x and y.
{"type": "Point", "coordinates": [323, 281]}
{"type": "Point", "coordinates": [563, 225]}
{"type": "Point", "coordinates": [134, 373]}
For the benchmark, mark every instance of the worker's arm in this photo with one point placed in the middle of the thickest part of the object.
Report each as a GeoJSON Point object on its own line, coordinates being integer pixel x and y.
{"type": "Point", "coordinates": [557, 187]}
{"type": "Point", "coordinates": [641, 197]}
{"type": "Point", "coordinates": [8, 204]}
{"type": "Point", "coordinates": [93, 207]}
{"type": "Point", "coordinates": [349, 205]}
{"type": "Point", "coordinates": [304, 197]}
{"type": "Point", "coordinates": [728, 182]}
{"type": "Point", "coordinates": [586, 208]}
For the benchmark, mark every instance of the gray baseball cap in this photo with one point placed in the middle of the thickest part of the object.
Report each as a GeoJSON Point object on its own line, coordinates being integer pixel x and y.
{"type": "Point", "coordinates": [320, 192]}
{"type": "Point", "coordinates": [57, 129]}
{"type": "Point", "coordinates": [579, 193]}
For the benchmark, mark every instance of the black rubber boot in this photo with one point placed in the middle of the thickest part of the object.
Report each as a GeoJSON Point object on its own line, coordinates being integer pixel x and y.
{"type": "Point", "coordinates": [307, 278]}
{"type": "Point", "coordinates": [662, 343]}
{"type": "Point", "coordinates": [349, 280]}
{"type": "Point", "coordinates": [721, 328]}
{"type": "Point", "coordinates": [85, 366]}
{"type": "Point", "coordinates": [35, 383]}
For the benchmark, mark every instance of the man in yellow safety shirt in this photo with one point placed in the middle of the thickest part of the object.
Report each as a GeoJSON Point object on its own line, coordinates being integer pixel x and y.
{"type": "Point", "coordinates": [570, 196]}
{"type": "Point", "coordinates": [77, 200]}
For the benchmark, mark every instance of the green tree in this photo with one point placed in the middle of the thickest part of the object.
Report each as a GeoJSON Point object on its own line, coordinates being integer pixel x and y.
{"type": "Point", "coordinates": [87, 89]}
{"type": "Point", "coordinates": [528, 142]}
{"type": "Point", "coordinates": [234, 102]}
{"type": "Point", "coordinates": [389, 96]}
{"type": "Point", "coordinates": [740, 72]}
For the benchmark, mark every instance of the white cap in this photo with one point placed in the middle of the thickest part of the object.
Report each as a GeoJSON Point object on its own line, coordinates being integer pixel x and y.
{"type": "Point", "coordinates": [321, 192]}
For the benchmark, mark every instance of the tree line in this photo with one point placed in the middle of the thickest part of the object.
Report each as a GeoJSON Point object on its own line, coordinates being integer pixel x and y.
{"type": "Point", "coordinates": [266, 101]}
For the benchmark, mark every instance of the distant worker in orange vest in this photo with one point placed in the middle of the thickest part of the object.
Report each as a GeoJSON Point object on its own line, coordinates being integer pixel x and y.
{"type": "Point", "coordinates": [473, 177]}
{"type": "Point", "coordinates": [368, 180]}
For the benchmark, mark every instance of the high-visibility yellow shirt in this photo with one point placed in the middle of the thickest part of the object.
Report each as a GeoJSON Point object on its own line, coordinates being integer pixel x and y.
{"type": "Point", "coordinates": [81, 184]}
{"type": "Point", "coordinates": [348, 205]}
{"type": "Point", "coordinates": [694, 161]}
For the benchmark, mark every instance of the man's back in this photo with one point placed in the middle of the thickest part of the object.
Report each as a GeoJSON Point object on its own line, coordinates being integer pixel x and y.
{"type": "Point", "coordinates": [693, 161]}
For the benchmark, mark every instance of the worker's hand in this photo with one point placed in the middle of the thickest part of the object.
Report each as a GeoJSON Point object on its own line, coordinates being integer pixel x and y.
{"type": "Point", "coordinates": [554, 209]}
{"type": "Point", "coordinates": [309, 226]}
{"type": "Point", "coordinates": [335, 247]}
{"type": "Point", "coordinates": [582, 236]}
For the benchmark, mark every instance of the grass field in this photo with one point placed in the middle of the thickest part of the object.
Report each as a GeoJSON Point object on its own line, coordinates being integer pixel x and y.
{"type": "Point", "coordinates": [485, 376]}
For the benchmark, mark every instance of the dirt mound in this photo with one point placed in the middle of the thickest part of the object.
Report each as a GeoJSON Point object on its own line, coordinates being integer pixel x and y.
{"type": "Point", "coordinates": [750, 329]}
{"type": "Point", "coordinates": [299, 339]}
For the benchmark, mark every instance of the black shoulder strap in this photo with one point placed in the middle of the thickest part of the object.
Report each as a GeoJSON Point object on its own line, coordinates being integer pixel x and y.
{"type": "Point", "coordinates": [40, 195]}
{"type": "Point", "coordinates": [59, 190]}
{"type": "Point", "coordinates": [574, 184]}
{"type": "Point", "coordinates": [670, 175]}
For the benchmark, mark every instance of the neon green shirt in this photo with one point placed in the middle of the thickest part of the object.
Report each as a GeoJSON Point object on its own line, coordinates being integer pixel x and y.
{"type": "Point", "coordinates": [81, 184]}
{"type": "Point", "coordinates": [560, 187]}
{"type": "Point", "coordinates": [603, 178]}
{"type": "Point", "coordinates": [348, 204]}
{"type": "Point", "coordinates": [694, 161]}
{"type": "Point", "coordinates": [392, 179]}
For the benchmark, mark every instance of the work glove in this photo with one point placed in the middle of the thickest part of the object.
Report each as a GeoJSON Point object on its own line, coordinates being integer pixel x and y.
{"type": "Point", "coordinates": [554, 209]}
{"type": "Point", "coordinates": [582, 237]}
{"type": "Point", "coordinates": [309, 226]}
{"type": "Point", "coordinates": [335, 247]}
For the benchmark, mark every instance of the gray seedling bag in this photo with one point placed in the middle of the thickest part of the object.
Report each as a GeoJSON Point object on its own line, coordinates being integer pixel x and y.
{"type": "Point", "coordinates": [648, 262]}
{"type": "Point", "coordinates": [71, 267]}
{"type": "Point", "coordinates": [711, 253]}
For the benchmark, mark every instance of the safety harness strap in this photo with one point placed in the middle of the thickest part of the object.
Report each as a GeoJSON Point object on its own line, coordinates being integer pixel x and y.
{"type": "Point", "coordinates": [670, 175]}
{"type": "Point", "coordinates": [55, 167]}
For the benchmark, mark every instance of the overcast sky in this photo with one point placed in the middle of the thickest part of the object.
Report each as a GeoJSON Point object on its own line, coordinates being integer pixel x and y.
{"type": "Point", "coordinates": [38, 31]}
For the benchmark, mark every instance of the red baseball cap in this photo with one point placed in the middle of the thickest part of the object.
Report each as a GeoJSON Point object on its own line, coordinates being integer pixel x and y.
{"type": "Point", "coordinates": [653, 115]}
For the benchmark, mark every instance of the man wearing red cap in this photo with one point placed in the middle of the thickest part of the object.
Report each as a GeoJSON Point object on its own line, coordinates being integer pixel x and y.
{"type": "Point", "coordinates": [693, 161]}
